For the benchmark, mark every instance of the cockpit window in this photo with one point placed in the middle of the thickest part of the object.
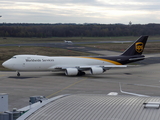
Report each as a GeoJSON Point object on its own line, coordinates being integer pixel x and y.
{"type": "Point", "coordinates": [13, 57]}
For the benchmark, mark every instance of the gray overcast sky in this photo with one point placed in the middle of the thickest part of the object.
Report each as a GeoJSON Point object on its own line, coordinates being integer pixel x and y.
{"type": "Point", "coordinates": [80, 11]}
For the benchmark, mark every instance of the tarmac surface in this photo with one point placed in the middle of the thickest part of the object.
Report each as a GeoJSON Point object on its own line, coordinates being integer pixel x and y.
{"type": "Point", "coordinates": [142, 79]}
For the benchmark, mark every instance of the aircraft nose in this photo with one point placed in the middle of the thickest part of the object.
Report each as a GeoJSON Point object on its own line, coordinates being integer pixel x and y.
{"type": "Point", "coordinates": [6, 64]}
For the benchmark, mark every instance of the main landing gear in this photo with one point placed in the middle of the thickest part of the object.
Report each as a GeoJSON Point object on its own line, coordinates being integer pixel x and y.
{"type": "Point", "coordinates": [18, 74]}
{"type": "Point", "coordinates": [80, 73]}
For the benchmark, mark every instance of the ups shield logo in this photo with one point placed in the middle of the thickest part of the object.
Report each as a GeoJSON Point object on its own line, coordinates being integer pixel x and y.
{"type": "Point", "coordinates": [139, 47]}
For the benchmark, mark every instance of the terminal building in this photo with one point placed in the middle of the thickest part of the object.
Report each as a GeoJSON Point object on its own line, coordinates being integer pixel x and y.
{"type": "Point", "coordinates": [90, 107]}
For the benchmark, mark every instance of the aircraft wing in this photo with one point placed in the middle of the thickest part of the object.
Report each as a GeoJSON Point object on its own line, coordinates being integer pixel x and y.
{"type": "Point", "coordinates": [79, 70]}
{"type": "Point", "coordinates": [84, 68]}
{"type": "Point", "coordinates": [102, 66]}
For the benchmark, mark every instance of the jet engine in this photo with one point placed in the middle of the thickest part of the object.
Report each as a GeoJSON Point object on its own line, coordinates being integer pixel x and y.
{"type": "Point", "coordinates": [71, 71]}
{"type": "Point", "coordinates": [97, 70]}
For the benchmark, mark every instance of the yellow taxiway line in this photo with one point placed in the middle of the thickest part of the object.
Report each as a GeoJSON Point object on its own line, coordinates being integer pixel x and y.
{"type": "Point", "coordinates": [66, 88]}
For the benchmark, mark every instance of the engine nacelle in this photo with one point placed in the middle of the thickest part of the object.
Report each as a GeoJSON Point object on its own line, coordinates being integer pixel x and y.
{"type": "Point", "coordinates": [71, 71]}
{"type": "Point", "coordinates": [97, 70]}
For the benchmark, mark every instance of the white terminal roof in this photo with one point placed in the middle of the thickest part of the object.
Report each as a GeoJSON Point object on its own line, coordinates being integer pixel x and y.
{"type": "Point", "coordinates": [96, 107]}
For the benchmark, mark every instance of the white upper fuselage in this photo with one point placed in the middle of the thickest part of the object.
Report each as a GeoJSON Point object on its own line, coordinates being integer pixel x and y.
{"type": "Point", "coordinates": [38, 62]}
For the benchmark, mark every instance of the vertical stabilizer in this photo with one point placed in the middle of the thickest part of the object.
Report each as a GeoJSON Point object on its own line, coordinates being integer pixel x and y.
{"type": "Point", "coordinates": [137, 47]}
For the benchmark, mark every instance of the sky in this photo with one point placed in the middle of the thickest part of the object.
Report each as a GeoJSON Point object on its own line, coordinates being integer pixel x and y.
{"type": "Point", "coordinates": [80, 11]}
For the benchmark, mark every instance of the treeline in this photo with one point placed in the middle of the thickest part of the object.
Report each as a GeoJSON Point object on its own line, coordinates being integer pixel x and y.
{"type": "Point", "coordinates": [77, 30]}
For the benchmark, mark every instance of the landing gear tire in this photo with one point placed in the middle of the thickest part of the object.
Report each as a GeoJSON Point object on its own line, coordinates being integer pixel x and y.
{"type": "Point", "coordinates": [18, 74]}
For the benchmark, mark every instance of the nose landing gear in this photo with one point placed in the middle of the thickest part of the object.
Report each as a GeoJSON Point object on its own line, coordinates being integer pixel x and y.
{"type": "Point", "coordinates": [18, 74]}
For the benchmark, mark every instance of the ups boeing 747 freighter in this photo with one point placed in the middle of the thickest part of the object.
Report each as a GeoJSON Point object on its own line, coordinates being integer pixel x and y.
{"type": "Point", "coordinates": [77, 65]}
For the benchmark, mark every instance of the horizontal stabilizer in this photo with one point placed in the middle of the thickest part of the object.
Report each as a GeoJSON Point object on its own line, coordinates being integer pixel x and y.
{"type": "Point", "coordinates": [138, 58]}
